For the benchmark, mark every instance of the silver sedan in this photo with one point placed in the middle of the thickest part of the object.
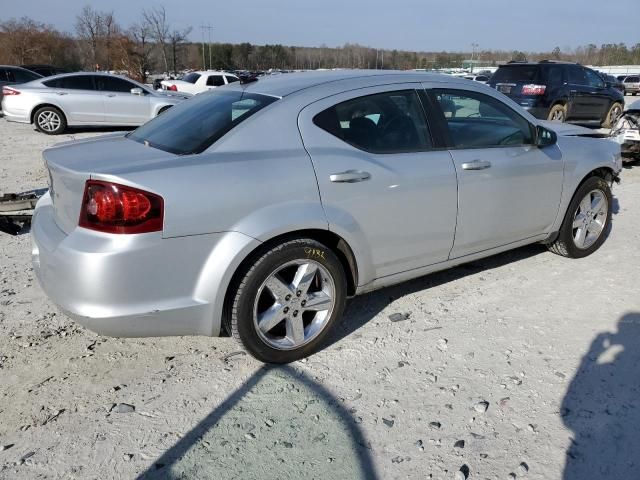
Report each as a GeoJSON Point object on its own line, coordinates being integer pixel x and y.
{"type": "Point", "coordinates": [84, 99]}
{"type": "Point", "coordinates": [257, 209]}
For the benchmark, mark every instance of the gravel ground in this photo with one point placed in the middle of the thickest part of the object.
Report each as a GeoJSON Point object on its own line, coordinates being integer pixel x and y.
{"type": "Point", "coordinates": [522, 365]}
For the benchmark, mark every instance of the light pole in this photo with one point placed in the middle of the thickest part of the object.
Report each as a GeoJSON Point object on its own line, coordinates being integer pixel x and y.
{"type": "Point", "coordinates": [208, 28]}
{"type": "Point", "coordinates": [473, 53]}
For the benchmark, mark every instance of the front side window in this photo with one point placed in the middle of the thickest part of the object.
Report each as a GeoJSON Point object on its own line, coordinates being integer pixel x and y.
{"type": "Point", "coordinates": [114, 84]}
{"type": "Point", "coordinates": [577, 75]}
{"type": "Point", "coordinates": [476, 120]}
{"type": "Point", "coordinates": [192, 126]}
{"type": "Point", "coordinates": [390, 122]}
{"type": "Point", "coordinates": [231, 79]}
{"type": "Point", "coordinates": [593, 79]}
{"type": "Point", "coordinates": [215, 81]}
{"type": "Point", "coordinates": [191, 77]}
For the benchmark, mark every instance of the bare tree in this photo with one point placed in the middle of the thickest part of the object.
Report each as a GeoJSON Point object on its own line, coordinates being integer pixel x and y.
{"type": "Point", "coordinates": [156, 18]}
{"type": "Point", "coordinates": [136, 50]}
{"type": "Point", "coordinates": [176, 39]}
{"type": "Point", "coordinates": [90, 29]}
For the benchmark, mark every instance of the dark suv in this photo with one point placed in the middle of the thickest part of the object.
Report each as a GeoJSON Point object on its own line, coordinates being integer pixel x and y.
{"type": "Point", "coordinates": [560, 91]}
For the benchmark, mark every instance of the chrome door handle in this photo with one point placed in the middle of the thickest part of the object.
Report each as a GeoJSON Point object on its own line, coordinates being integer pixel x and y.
{"type": "Point", "coordinates": [476, 165]}
{"type": "Point", "coordinates": [350, 176]}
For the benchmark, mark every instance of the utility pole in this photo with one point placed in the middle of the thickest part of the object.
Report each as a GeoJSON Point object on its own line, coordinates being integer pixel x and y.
{"type": "Point", "coordinates": [473, 52]}
{"type": "Point", "coordinates": [208, 28]}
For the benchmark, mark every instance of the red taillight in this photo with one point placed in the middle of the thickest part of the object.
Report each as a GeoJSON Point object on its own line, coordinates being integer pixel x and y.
{"type": "Point", "coordinates": [8, 91]}
{"type": "Point", "coordinates": [533, 89]}
{"type": "Point", "coordinates": [173, 88]}
{"type": "Point", "coordinates": [113, 208]}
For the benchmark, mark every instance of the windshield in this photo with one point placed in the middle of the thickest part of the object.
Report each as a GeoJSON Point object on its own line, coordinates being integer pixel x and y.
{"type": "Point", "coordinates": [192, 126]}
{"type": "Point", "coordinates": [516, 74]}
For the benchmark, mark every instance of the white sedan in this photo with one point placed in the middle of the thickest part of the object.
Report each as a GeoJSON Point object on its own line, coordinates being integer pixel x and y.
{"type": "Point", "coordinates": [198, 82]}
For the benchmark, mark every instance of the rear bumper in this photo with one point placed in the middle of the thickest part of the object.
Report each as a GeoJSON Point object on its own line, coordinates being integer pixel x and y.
{"type": "Point", "coordinates": [12, 110]}
{"type": "Point", "coordinates": [20, 117]}
{"type": "Point", "coordinates": [135, 285]}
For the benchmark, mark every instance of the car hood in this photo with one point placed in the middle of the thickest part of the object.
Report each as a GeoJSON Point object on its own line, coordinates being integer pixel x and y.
{"type": "Point", "coordinates": [568, 130]}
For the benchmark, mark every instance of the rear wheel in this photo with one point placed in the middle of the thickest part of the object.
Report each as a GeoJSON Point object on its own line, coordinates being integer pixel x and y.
{"type": "Point", "coordinates": [615, 112]}
{"type": "Point", "coordinates": [587, 220]}
{"type": "Point", "coordinates": [50, 120]}
{"type": "Point", "coordinates": [558, 113]}
{"type": "Point", "coordinates": [287, 302]}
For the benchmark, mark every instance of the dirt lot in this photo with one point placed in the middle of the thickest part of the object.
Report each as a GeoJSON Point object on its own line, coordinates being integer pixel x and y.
{"type": "Point", "coordinates": [508, 367]}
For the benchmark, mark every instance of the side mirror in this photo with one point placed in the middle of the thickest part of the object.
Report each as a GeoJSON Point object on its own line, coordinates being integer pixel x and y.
{"type": "Point", "coordinates": [545, 137]}
{"type": "Point", "coordinates": [137, 91]}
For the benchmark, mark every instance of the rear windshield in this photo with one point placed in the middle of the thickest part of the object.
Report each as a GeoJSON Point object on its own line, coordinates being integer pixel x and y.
{"type": "Point", "coordinates": [516, 74]}
{"type": "Point", "coordinates": [191, 77]}
{"type": "Point", "coordinates": [192, 126]}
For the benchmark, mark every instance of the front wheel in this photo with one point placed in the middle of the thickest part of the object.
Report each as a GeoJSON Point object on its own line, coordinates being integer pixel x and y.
{"type": "Point", "coordinates": [287, 302]}
{"type": "Point", "coordinates": [615, 112]}
{"type": "Point", "coordinates": [587, 220]}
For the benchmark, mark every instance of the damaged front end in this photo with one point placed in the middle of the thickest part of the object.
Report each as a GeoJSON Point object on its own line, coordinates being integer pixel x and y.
{"type": "Point", "coordinates": [626, 132]}
{"type": "Point", "coordinates": [16, 210]}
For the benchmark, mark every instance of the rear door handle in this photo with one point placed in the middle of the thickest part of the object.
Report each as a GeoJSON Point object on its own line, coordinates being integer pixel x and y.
{"type": "Point", "coordinates": [350, 176]}
{"type": "Point", "coordinates": [476, 165]}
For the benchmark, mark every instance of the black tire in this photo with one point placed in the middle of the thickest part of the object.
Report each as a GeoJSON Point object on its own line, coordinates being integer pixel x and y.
{"type": "Point", "coordinates": [52, 127]}
{"type": "Point", "coordinates": [243, 301]}
{"type": "Point", "coordinates": [565, 244]}
{"type": "Point", "coordinates": [558, 113]}
{"type": "Point", "coordinates": [614, 113]}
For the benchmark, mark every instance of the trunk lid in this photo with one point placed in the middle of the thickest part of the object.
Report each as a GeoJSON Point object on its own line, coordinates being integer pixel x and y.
{"type": "Point", "coordinates": [71, 164]}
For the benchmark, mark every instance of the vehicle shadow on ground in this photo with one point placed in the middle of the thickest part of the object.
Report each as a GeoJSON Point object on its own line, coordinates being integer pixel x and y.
{"type": "Point", "coordinates": [279, 424]}
{"type": "Point", "coordinates": [363, 308]}
{"type": "Point", "coordinates": [77, 130]}
{"type": "Point", "coordinates": [602, 407]}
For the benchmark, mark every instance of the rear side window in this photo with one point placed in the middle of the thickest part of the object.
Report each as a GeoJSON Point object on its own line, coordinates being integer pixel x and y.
{"type": "Point", "coordinates": [191, 77]}
{"type": "Point", "coordinates": [192, 126]}
{"type": "Point", "coordinates": [554, 75]}
{"type": "Point", "coordinates": [76, 82]}
{"type": "Point", "coordinates": [476, 120]}
{"type": "Point", "coordinates": [390, 122]}
{"type": "Point", "coordinates": [215, 81]}
{"type": "Point", "coordinates": [21, 76]}
{"type": "Point", "coordinates": [517, 74]}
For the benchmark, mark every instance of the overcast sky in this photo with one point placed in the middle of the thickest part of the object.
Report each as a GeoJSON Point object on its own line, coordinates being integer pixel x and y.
{"type": "Point", "coordinates": [532, 25]}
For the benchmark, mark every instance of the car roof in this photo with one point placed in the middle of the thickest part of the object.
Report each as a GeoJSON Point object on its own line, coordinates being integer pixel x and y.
{"type": "Point", "coordinates": [283, 85]}
{"type": "Point", "coordinates": [216, 72]}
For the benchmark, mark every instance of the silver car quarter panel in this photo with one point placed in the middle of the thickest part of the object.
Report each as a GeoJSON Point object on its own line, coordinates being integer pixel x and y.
{"type": "Point", "coordinates": [135, 285]}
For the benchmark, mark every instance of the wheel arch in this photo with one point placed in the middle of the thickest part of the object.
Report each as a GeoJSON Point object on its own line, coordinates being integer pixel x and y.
{"type": "Point", "coordinates": [335, 242]}
{"type": "Point", "coordinates": [46, 104]}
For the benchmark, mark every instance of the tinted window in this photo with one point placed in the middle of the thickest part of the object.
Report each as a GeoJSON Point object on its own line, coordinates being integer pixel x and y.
{"type": "Point", "coordinates": [3, 75]}
{"type": "Point", "coordinates": [114, 84]}
{"type": "Point", "coordinates": [191, 77]}
{"type": "Point", "coordinates": [21, 76]}
{"type": "Point", "coordinates": [390, 122]}
{"type": "Point", "coordinates": [232, 79]}
{"type": "Point", "coordinates": [632, 80]}
{"type": "Point", "coordinates": [482, 78]}
{"type": "Point", "coordinates": [516, 74]}
{"type": "Point", "coordinates": [76, 82]}
{"type": "Point", "coordinates": [215, 80]}
{"type": "Point", "coordinates": [191, 127]}
{"type": "Point", "coordinates": [554, 75]}
{"type": "Point", "coordinates": [593, 79]}
{"type": "Point", "coordinates": [577, 75]}
{"type": "Point", "coordinates": [477, 120]}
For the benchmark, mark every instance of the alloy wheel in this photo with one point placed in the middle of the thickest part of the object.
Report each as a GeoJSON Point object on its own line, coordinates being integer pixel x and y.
{"type": "Point", "coordinates": [49, 121]}
{"type": "Point", "coordinates": [615, 114]}
{"type": "Point", "coordinates": [590, 219]}
{"type": "Point", "coordinates": [558, 116]}
{"type": "Point", "coordinates": [294, 304]}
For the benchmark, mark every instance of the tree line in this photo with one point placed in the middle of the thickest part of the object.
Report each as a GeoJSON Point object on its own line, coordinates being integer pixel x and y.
{"type": "Point", "coordinates": [152, 44]}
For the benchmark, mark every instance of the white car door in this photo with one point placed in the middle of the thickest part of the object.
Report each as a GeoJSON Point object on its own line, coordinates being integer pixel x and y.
{"type": "Point", "coordinates": [380, 176]}
{"type": "Point", "coordinates": [121, 107]}
{"type": "Point", "coordinates": [508, 189]}
{"type": "Point", "coordinates": [78, 98]}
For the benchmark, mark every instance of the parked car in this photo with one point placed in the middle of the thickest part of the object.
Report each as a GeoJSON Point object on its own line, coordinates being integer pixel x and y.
{"type": "Point", "coordinates": [631, 84]}
{"type": "Point", "coordinates": [478, 78]}
{"type": "Point", "coordinates": [614, 82]}
{"type": "Point", "coordinates": [259, 208]}
{"type": "Point", "coordinates": [12, 75]}
{"type": "Point", "coordinates": [560, 91]}
{"type": "Point", "coordinates": [45, 70]}
{"type": "Point", "coordinates": [198, 82]}
{"type": "Point", "coordinates": [84, 99]}
{"type": "Point", "coordinates": [626, 131]}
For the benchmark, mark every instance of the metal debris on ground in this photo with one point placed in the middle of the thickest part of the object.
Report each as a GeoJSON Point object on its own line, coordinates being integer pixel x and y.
{"type": "Point", "coordinates": [16, 210]}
